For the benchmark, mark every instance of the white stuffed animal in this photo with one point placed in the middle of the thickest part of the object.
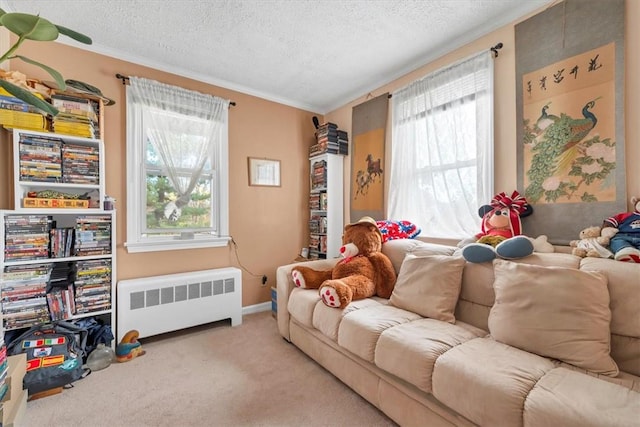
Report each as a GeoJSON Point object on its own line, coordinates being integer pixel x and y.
{"type": "Point", "coordinates": [593, 242]}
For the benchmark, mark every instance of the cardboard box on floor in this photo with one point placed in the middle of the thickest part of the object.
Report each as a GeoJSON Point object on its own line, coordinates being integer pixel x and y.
{"type": "Point", "coordinates": [14, 403]}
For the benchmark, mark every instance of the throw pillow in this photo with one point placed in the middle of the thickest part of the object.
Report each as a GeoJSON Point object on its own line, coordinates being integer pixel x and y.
{"type": "Point", "coordinates": [556, 312]}
{"type": "Point", "coordinates": [429, 285]}
{"type": "Point", "coordinates": [392, 230]}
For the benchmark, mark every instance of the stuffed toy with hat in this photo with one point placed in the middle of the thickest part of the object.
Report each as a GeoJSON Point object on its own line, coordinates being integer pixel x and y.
{"type": "Point", "coordinates": [363, 271]}
{"type": "Point", "coordinates": [501, 230]}
{"type": "Point", "coordinates": [625, 245]}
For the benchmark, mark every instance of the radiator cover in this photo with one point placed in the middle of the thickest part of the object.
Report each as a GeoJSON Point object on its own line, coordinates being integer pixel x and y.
{"type": "Point", "coordinates": [159, 304]}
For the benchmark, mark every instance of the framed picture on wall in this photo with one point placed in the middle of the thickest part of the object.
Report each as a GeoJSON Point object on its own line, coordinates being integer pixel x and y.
{"type": "Point", "coordinates": [264, 172]}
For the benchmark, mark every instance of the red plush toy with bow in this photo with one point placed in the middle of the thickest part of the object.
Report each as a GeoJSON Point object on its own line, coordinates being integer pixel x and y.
{"type": "Point", "coordinates": [501, 230]}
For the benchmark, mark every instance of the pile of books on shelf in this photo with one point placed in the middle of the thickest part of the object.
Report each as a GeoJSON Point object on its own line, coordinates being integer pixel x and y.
{"type": "Point", "coordinates": [40, 158]}
{"type": "Point", "coordinates": [77, 116]}
{"type": "Point", "coordinates": [318, 201]}
{"type": "Point", "coordinates": [80, 163]}
{"type": "Point", "coordinates": [4, 369]}
{"type": "Point", "coordinates": [92, 235]}
{"type": "Point", "coordinates": [317, 246]}
{"type": "Point", "coordinates": [60, 291]}
{"type": "Point", "coordinates": [24, 289]}
{"type": "Point", "coordinates": [319, 174]}
{"type": "Point", "coordinates": [318, 224]}
{"type": "Point", "coordinates": [330, 139]}
{"type": "Point", "coordinates": [93, 285]}
{"type": "Point", "coordinates": [27, 237]}
{"type": "Point", "coordinates": [15, 113]}
{"type": "Point", "coordinates": [61, 242]}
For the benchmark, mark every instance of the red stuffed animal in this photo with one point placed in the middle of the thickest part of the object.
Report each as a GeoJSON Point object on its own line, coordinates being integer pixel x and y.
{"type": "Point", "coordinates": [501, 230]}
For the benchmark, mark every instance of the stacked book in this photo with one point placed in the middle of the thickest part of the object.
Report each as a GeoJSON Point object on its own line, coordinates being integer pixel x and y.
{"type": "Point", "coordinates": [318, 201]}
{"type": "Point", "coordinates": [330, 139]}
{"type": "Point", "coordinates": [24, 290]}
{"type": "Point", "coordinates": [76, 116]}
{"type": "Point", "coordinates": [92, 235]}
{"type": "Point", "coordinates": [40, 158]}
{"type": "Point", "coordinates": [61, 242]}
{"type": "Point", "coordinates": [61, 303]}
{"type": "Point", "coordinates": [27, 237]}
{"type": "Point", "coordinates": [314, 201]}
{"type": "Point", "coordinates": [15, 113]}
{"type": "Point", "coordinates": [343, 142]}
{"type": "Point", "coordinates": [317, 246]}
{"type": "Point", "coordinates": [60, 291]}
{"type": "Point", "coordinates": [318, 224]}
{"type": "Point", "coordinates": [4, 369]}
{"type": "Point", "coordinates": [319, 174]}
{"type": "Point", "coordinates": [93, 285]}
{"type": "Point", "coordinates": [80, 164]}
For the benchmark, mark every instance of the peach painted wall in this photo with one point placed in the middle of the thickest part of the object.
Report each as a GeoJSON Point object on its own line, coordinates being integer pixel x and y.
{"type": "Point", "coordinates": [269, 224]}
{"type": "Point", "coordinates": [266, 223]}
{"type": "Point", "coordinates": [505, 102]}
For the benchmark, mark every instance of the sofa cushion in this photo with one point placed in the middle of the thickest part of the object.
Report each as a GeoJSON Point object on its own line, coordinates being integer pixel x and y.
{"type": "Point", "coordinates": [302, 303]}
{"type": "Point", "coordinates": [567, 398]}
{"type": "Point", "coordinates": [429, 285]}
{"type": "Point", "coordinates": [327, 319]}
{"type": "Point", "coordinates": [360, 329]}
{"type": "Point", "coordinates": [396, 250]}
{"type": "Point", "coordinates": [624, 293]}
{"type": "Point", "coordinates": [555, 312]}
{"type": "Point", "coordinates": [487, 381]}
{"type": "Point", "coordinates": [409, 351]}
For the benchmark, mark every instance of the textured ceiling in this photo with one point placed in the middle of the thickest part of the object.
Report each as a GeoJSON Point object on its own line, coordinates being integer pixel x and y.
{"type": "Point", "coordinates": [312, 54]}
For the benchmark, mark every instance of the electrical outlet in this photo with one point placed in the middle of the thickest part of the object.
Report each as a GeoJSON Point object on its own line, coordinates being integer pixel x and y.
{"type": "Point", "coordinates": [264, 280]}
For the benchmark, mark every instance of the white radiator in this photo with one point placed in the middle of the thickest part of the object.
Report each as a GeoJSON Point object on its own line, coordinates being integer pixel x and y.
{"type": "Point", "coordinates": [159, 304]}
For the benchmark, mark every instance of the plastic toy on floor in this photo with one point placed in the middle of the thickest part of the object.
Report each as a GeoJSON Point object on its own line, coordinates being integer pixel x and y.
{"type": "Point", "coordinates": [129, 348]}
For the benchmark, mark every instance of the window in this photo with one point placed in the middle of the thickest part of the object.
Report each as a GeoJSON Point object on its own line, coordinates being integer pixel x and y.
{"type": "Point", "coordinates": [442, 152]}
{"type": "Point", "coordinates": [177, 172]}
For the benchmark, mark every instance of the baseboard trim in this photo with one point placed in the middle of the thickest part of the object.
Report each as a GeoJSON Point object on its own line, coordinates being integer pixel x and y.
{"type": "Point", "coordinates": [256, 308]}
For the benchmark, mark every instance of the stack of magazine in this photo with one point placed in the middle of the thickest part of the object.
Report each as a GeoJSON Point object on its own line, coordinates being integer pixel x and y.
{"type": "Point", "coordinates": [77, 116]}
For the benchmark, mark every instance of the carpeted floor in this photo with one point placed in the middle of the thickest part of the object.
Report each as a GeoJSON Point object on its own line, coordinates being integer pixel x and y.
{"type": "Point", "coordinates": [213, 375]}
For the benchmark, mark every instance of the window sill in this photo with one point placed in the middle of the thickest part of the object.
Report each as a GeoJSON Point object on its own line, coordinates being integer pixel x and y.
{"type": "Point", "coordinates": [174, 245]}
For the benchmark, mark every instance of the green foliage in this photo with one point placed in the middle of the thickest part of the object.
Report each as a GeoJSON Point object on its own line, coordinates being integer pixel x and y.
{"type": "Point", "coordinates": [195, 214]}
{"type": "Point", "coordinates": [33, 27]}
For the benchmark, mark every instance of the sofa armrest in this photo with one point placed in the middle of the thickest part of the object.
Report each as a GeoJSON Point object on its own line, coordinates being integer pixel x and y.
{"type": "Point", "coordinates": [284, 285]}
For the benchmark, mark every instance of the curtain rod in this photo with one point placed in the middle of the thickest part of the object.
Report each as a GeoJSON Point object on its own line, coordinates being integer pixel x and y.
{"type": "Point", "coordinates": [126, 78]}
{"type": "Point", "coordinates": [493, 49]}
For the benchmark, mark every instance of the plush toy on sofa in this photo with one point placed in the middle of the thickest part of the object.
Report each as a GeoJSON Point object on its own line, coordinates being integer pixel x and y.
{"type": "Point", "coordinates": [363, 272]}
{"type": "Point", "coordinates": [501, 233]}
{"type": "Point", "coordinates": [626, 243]}
{"type": "Point", "coordinates": [593, 242]}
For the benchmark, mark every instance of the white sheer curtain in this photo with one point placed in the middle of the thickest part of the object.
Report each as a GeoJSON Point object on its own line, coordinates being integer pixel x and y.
{"type": "Point", "coordinates": [442, 149]}
{"type": "Point", "coordinates": [185, 128]}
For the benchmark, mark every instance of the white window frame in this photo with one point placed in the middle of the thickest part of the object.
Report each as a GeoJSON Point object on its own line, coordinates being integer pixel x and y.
{"type": "Point", "coordinates": [136, 195]}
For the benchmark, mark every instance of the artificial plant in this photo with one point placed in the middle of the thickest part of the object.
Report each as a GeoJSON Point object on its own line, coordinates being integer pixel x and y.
{"type": "Point", "coordinates": [33, 27]}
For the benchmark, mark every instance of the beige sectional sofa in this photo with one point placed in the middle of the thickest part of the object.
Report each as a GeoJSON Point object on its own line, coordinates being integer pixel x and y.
{"type": "Point", "coordinates": [429, 360]}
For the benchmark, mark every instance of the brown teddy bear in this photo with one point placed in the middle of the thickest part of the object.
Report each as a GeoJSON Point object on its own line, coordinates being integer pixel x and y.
{"type": "Point", "coordinates": [593, 242]}
{"type": "Point", "coordinates": [363, 272]}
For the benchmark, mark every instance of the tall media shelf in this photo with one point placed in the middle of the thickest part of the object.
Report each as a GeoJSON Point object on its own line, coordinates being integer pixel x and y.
{"type": "Point", "coordinates": [325, 205]}
{"type": "Point", "coordinates": [57, 251]}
